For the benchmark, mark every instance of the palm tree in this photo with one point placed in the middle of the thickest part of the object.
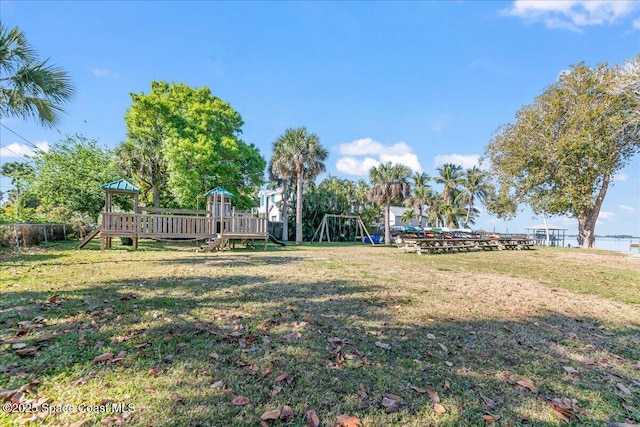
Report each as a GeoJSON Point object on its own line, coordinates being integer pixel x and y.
{"type": "Point", "coordinates": [29, 87]}
{"type": "Point", "coordinates": [474, 186]}
{"type": "Point", "coordinates": [281, 171]}
{"type": "Point", "coordinates": [435, 208]}
{"type": "Point", "coordinates": [389, 182]}
{"type": "Point", "coordinates": [301, 155]}
{"type": "Point", "coordinates": [451, 177]}
{"type": "Point", "coordinates": [420, 193]}
{"type": "Point", "coordinates": [141, 157]}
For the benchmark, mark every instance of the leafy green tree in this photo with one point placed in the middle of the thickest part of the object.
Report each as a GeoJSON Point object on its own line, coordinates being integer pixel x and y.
{"type": "Point", "coordinates": [474, 187]}
{"type": "Point", "coordinates": [198, 136]}
{"type": "Point", "coordinates": [389, 182]}
{"type": "Point", "coordinates": [302, 155]}
{"type": "Point", "coordinates": [30, 87]}
{"type": "Point", "coordinates": [69, 175]}
{"type": "Point", "coordinates": [21, 175]}
{"type": "Point", "coordinates": [561, 154]}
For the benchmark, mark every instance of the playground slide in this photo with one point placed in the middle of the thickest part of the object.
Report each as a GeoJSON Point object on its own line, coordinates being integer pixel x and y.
{"type": "Point", "coordinates": [276, 241]}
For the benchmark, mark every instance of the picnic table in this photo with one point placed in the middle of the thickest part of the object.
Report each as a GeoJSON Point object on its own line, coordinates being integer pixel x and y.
{"type": "Point", "coordinates": [433, 246]}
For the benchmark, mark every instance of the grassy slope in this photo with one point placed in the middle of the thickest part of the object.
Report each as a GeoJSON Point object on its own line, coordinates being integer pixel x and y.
{"type": "Point", "coordinates": [227, 324]}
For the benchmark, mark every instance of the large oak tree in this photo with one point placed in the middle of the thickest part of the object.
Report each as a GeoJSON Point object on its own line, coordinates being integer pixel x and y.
{"type": "Point", "coordinates": [198, 138]}
{"type": "Point", "coordinates": [561, 154]}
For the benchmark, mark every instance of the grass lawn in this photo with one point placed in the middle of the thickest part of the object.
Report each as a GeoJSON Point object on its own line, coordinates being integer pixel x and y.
{"type": "Point", "coordinates": [361, 335]}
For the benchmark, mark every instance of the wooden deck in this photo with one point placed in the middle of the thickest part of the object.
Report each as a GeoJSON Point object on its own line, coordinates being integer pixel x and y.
{"type": "Point", "coordinates": [434, 246]}
{"type": "Point", "coordinates": [196, 226]}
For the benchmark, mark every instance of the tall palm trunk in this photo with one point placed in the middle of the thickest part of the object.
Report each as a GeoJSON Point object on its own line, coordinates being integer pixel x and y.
{"type": "Point", "coordinates": [285, 209]}
{"type": "Point", "coordinates": [299, 208]}
{"type": "Point", "coordinates": [387, 226]}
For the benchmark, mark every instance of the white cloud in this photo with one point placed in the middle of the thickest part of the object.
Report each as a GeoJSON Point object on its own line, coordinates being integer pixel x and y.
{"type": "Point", "coordinates": [606, 215]}
{"type": "Point", "coordinates": [572, 14]}
{"type": "Point", "coordinates": [466, 161]}
{"type": "Point", "coordinates": [358, 167]}
{"type": "Point", "coordinates": [627, 208]}
{"type": "Point", "coordinates": [620, 177]}
{"type": "Point", "coordinates": [636, 24]}
{"type": "Point", "coordinates": [374, 153]}
{"type": "Point", "coordinates": [16, 150]}
{"type": "Point", "coordinates": [104, 73]}
{"type": "Point", "coordinates": [369, 146]}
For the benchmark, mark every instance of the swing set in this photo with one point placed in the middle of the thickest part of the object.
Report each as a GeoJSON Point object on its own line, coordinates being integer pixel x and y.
{"type": "Point", "coordinates": [341, 223]}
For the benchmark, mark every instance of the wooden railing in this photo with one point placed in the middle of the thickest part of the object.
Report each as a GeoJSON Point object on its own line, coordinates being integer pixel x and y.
{"type": "Point", "coordinates": [176, 226]}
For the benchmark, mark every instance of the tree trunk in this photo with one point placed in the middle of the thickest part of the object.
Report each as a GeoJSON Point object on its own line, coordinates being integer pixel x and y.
{"type": "Point", "coordinates": [285, 209]}
{"type": "Point", "coordinates": [587, 221]}
{"type": "Point", "coordinates": [387, 231]}
{"type": "Point", "coordinates": [299, 209]}
{"type": "Point", "coordinates": [156, 196]}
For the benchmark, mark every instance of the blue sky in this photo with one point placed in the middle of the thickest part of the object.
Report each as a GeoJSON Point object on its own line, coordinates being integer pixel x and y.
{"type": "Point", "coordinates": [422, 83]}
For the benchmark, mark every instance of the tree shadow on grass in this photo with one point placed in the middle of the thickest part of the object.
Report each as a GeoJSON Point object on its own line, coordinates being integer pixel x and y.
{"type": "Point", "coordinates": [193, 344]}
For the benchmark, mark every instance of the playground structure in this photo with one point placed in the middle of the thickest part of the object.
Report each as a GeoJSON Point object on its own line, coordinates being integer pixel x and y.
{"type": "Point", "coordinates": [218, 224]}
{"type": "Point", "coordinates": [344, 221]}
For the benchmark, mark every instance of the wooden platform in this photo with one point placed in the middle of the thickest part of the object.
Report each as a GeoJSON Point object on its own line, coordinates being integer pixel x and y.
{"type": "Point", "coordinates": [196, 225]}
{"type": "Point", "coordinates": [434, 246]}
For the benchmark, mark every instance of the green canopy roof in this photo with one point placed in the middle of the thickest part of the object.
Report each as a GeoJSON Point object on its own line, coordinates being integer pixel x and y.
{"type": "Point", "coordinates": [218, 190]}
{"type": "Point", "coordinates": [121, 185]}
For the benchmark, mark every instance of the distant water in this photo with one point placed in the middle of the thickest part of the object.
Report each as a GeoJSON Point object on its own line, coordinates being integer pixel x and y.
{"type": "Point", "coordinates": [610, 244]}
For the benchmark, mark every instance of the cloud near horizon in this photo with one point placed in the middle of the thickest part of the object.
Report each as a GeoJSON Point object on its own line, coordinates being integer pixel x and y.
{"type": "Point", "coordinates": [573, 14]}
{"type": "Point", "coordinates": [104, 73]}
{"type": "Point", "coordinates": [466, 161]}
{"type": "Point", "coordinates": [16, 150]}
{"type": "Point", "coordinates": [606, 215]}
{"type": "Point", "coordinates": [359, 156]}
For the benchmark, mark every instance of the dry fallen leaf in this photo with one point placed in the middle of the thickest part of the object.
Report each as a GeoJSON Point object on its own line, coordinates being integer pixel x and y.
{"type": "Point", "coordinates": [624, 389]}
{"type": "Point", "coordinates": [490, 418]}
{"type": "Point", "coordinates": [45, 337]}
{"type": "Point", "coordinates": [214, 355]}
{"type": "Point", "coordinates": [240, 400]}
{"type": "Point", "coordinates": [527, 383]}
{"type": "Point", "coordinates": [348, 421]}
{"type": "Point", "coordinates": [176, 397]}
{"type": "Point", "coordinates": [18, 346]}
{"type": "Point", "coordinates": [286, 412]}
{"type": "Point", "coordinates": [119, 357]}
{"type": "Point", "coordinates": [417, 389]}
{"type": "Point", "coordinates": [383, 345]}
{"type": "Point", "coordinates": [489, 402]}
{"type": "Point", "coordinates": [569, 370]}
{"type": "Point", "coordinates": [155, 371]}
{"type": "Point", "coordinates": [439, 408]}
{"type": "Point", "coordinates": [103, 357]}
{"type": "Point", "coordinates": [274, 414]}
{"type": "Point", "coordinates": [312, 418]}
{"type": "Point", "coordinates": [116, 420]}
{"type": "Point", "coordinates": [386, 402]}
{"type": "Point", "coordinates": [434, 395]}
{"type": "Point", "coordinates": [431, 336]}
{"type": "Point", "coordinates": [281, 377]}
{"type": "Point", "coordinates": [28, 351]}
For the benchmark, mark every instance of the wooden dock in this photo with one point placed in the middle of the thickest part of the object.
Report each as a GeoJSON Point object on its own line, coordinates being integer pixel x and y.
{"type": "Point", "coordinates": [434, 246]}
